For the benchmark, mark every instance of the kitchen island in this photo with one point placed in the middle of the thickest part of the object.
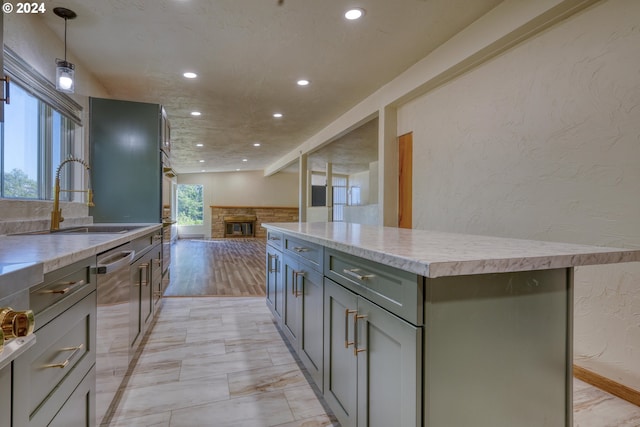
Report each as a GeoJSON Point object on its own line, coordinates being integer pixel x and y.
{"type": "Point", "coordinates": [420, 328]}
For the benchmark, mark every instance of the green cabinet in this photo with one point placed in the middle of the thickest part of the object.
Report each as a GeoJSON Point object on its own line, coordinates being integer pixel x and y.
{"type": "Point", "coordinates": [6, 393]}
{"type": "Point", "coordinates": [126, 163]}
{"type": "Point", "coordinates": [144, 273]}
{"type": "Point", "coordinates": [273, 285]}
{"type": "Point", "coordinates": [302, 322]}
{"type": "Point", "coordinates": [373, 362]}
{"type": "Point", "coordinates": [64, 353]}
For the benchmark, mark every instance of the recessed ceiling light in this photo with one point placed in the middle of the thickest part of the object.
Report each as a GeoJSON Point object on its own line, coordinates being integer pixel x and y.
{"type": "Point", "coordinates": [199, 145]}
{"type": "Point", "coordinates": [190, 75]}
{"type": "Point", "coordinates": [245, 160]}
{"type": "Point", "coordinates": [196, 113]}
{"type": "Point", "coordinates": [237, 170]}
{"type": "Point", "coordinates": [355, 13]}
{"type": "Point", "coordinates": [201, 161]}
{"type": "Point", "coordinates": [277, 115]}
{"type": "Point", "coordinates": [303, 82]}
{"type": "Point", "coordinates": [202, 170]}
{"type": "Point", "coordinates": [256, 144]}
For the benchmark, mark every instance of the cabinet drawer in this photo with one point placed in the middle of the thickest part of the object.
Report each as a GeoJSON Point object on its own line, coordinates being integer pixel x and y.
{"type": "Point", "coordinates": [61, 289]}
{"type": "Point", "coordinates": [78, 409]}
{"type": "Point", "coordinates": [274, 239]}
{"type": "Point", "coordinates": [306, 250]}
{"type": "Point", "coordinates": [142, 244]}
{"type": "Point", "coordinates": [396, 290]}
{"type": "Point", "coordinates": [63, 346]}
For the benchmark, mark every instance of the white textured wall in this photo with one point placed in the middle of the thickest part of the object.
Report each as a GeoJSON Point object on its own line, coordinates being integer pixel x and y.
{"type": "Point", "coordinates": [249, 188]}
{"type": "Point", "coordinates": [543, 142]}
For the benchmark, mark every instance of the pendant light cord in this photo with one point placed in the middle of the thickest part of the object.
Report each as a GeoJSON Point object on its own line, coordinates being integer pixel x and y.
{"type": "Point", "coordinates": [65, 39]}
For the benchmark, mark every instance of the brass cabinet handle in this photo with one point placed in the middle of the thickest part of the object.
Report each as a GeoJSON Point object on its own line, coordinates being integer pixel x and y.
{"type": "Point", "coordinates": [354, 272]}
{"type": "Point", "coordinates": [347, 312]}
{"type": "Point", "coordinates": [300, 249]}
{"type": "Point", "coordinates": [357, 350]}
{"type": "Point", "coordinates": [64, 364]}
{"type": "Point", "coordinates": [275, 268]}
{"type": "Point", "coordinates": [296, 274]}
{"type": "Point", "coordinates": [70, 285]}
{"type": "Point", "coordinates": [141, 267]}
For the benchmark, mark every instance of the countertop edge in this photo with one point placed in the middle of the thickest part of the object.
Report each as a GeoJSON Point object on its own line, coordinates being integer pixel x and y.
{"type": "Point", "coordinates": [595, 255]}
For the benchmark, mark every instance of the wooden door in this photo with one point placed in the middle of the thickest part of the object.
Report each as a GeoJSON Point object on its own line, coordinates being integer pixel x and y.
{"type": "Point", "coordinates": [405, 168]}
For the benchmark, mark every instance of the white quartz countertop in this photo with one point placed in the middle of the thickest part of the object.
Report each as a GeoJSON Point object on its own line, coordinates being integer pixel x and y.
{"type": "Point", "coordinates": [59, 249]}
{"type": "Point", "coordinates": [437, 254]}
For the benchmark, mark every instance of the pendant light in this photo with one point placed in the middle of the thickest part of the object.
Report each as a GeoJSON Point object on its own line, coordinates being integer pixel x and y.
{"type": "Point", "coordinates": [65, 71]}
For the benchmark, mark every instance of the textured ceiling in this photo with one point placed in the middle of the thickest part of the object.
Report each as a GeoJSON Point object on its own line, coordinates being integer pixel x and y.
{"type": "Point", "coordinates": [248, 55]}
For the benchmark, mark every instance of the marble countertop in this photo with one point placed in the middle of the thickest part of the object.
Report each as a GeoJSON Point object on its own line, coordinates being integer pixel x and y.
{"type": "Point", "coordinates": [438, 254]}
{"type": "Point", "coordinates": [49, 252]}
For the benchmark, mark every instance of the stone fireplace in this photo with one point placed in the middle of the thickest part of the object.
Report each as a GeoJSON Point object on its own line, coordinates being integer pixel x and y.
{"type": "Point", "coordinates": [246, 221]}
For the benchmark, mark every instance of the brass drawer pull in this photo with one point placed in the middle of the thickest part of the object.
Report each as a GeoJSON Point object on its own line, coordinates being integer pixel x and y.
{"type": "Point", "coordinates": [70, 285]}
{"type": "Point", "coordinates": [354, 272]}
{"type": "Point", "coordinates": [300, 249]}
{"type": "Point", "coordinates": [357, 350]}
{"type": "Point", "coordinates": [275, 268]}
{"type": "Point", "coordinates": [296, 274]}
{"type": "Point", "coordinates": [347, 312]}
{"type": "Point", "coordinates": [64, 364]}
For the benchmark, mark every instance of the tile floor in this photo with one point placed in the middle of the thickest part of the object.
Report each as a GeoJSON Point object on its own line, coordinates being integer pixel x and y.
{"type": "Point", "coordinates": [216, 361]}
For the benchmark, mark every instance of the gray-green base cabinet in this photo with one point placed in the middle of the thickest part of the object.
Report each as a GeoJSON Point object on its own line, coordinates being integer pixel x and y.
{"type": "Point", "coordinates": [54, 381]}
{"type": "Point", "coordinates": [273, 285]}
{"type": "Point", "coordinates": [303, 311]}
{"type": "Point", "coordinates": [400, 349]}
{"type": "Point", "coordinates": [372, 362]}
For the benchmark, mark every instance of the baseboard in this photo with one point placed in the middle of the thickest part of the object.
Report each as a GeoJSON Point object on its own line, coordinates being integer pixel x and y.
{"type": "Point", "coordinates": [622, 391]}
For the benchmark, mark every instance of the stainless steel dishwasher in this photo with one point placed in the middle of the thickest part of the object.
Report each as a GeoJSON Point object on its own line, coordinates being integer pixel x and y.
{"type": "Point", "coordinates": [112, 325]}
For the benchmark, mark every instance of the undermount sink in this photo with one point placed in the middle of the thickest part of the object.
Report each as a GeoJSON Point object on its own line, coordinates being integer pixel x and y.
{"type": "Point", "coordinates": [88, 229]}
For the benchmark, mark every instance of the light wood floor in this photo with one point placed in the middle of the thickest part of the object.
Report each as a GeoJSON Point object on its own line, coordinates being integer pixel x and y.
{"type": "Point", "coordinates": [221, 267]}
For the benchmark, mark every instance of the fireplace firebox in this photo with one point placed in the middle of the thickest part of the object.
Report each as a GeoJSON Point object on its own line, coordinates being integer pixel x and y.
{"type": "Point", "coordinates": [239, 226]}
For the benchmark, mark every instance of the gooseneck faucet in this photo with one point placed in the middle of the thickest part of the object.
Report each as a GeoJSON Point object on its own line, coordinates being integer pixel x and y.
{"type": "Point", "coordinates": [56, 213]}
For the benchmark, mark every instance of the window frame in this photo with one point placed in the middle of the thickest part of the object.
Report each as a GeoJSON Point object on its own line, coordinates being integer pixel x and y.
{"type": "Point", "coordinates": [50, 102]}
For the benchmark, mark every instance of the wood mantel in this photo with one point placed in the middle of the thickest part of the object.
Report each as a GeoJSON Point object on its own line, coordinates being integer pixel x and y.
{"type": "Point", "coordinates": [261, 214]}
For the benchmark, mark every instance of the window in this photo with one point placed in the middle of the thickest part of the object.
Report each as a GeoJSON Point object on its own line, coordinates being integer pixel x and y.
{"type": "Point", "coordinates": [39, 131]}
{"type": "Point", "coordinates": [339, 197]}
{"type": "Point", "coordinates": [190, 204]}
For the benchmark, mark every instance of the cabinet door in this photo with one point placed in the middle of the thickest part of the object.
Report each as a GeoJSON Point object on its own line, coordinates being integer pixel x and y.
{"type": "Point", "coordinates": [78, 409]}
{"type": "Point", "coordinates": [291, 307]}
{"type": "Point", "coordinates": [310, 291]}
{"type": "Point", "coordinates": [6, 394]}
{"type": "Point", "coordinates": [155, 280]}
{"type": "Point", "coordinates": [271, 284]}
{"type": "Point", "coordinates": [389, 368]}
{"type": "Point", "coordinates": [340, 364]}
{"type": "Point", "coordinates": [138, 272]}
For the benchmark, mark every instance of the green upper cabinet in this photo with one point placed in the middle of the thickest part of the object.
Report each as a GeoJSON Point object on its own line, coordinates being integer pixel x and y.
{"type": "Point", "coordinates": [126, 164]}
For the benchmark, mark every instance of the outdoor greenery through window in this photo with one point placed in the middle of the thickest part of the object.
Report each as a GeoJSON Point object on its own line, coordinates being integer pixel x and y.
{"type": "Point", "coordinates": [35, 136]}
{"type": "Point", "coordinates": [190, 204]}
